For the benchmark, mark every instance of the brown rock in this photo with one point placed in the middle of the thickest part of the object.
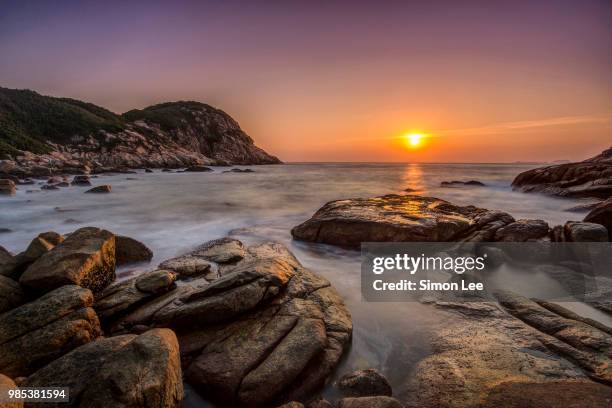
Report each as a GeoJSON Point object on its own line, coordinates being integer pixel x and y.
{"type": "Point", "coordinates": [8, 262]}
{"type": "Point", "coordinates": [7, 187]}
{"type": "Point", "coordinates": [188, 266]}
{"type": "Point", "coordinates": [370, 402]}
{"type": "Point", "coordinates": [11, 294]}
{"type": "Point", "coordinates": [128, 250]}
{"type": "Point", "coordinates": [602, 214]}
{"type": "Point", "coordinates": [364, 383]}
{"type": "Point", "coordinates": [224, 250]}
{"type": "Point", "coordinates": [81, 180]}
{"type": "Point", "coordinates": [38, 332]}
{"type": "Point", "coordinates": [85, 258]}
{"type": "Point", "coordinates": [399, 218]}
{"type": "Point", "coordinates": [523, 230]}
{"type": "Point", "coordinates": [100, 189]}
{"type": "Point", "coordinates": [585, 232]}
{"type": "Point", "coordinates": [7, 383]}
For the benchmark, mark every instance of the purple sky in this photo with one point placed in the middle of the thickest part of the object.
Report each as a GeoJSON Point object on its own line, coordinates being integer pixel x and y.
{"type": "Point", "coordinates": [325, 81]}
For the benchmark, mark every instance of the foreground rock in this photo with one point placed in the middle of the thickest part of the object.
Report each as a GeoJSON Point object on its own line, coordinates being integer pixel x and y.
{"type": "Point", "coordinates": [7, 383]}
{"type": "Point", "coordinates": [602, 214]}
{"type": "Point", "coordinates": [487, 357]}
{"type": "Point", "coordinates": [589, 178]}
{"type": "Point", "coordinates": [38, 332]}
{"type": "Point", "coordinates": [85, 258]}
{"type": "Point", "coordinates": [267, 331]}
{"type": "Point", "coordinates": [121, 371]}
{"type": "Point", "coordinates": [364, 383]}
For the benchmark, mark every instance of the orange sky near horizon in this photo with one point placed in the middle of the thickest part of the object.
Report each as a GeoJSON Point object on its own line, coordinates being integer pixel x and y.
{"type": "Point", "coordinates": [340, 81]}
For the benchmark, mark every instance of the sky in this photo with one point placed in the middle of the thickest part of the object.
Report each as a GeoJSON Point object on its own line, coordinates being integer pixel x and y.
{"type": "Point", "coordinates": [484, 81]}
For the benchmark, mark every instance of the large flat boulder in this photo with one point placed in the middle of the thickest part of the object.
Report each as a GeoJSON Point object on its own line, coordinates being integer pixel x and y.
{"type": "Point", "coordinates": [86, 258]}
{"type": "Point", "coordinates": [38, 332]}
{"type": "Point", "coordinates": [122, 371]}
{"type": "Point", "coordinates": [588, 178]}
{"type": "Point", "coordinates": [399, 218]}
{"type": "Point", "coordinates": [268, 331]}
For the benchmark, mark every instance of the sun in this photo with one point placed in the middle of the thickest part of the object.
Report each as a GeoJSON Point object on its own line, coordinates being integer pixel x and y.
{"type": "Point", "coordinates": [414, 140]}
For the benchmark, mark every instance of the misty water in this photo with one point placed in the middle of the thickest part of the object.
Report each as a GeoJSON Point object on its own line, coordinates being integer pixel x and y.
{"type": "Point", "coordinates": [174, 212]}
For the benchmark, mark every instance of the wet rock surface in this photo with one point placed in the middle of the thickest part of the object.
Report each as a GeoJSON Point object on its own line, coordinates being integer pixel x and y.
{"type": "Point", "coordinates": [589, 178]}
{"type": "Point", "coordinates": [457, 183]}
{"type": "Point", "coordinates": [370, 402]}
{"type": "Point", "coordinates": [128, 250]}
{"type": "Point", "coordinates": [491, 353]}
{"type": "Point", "coordinates": [100, 189]}
{"type": "Point", "coordinates": [602, 214]}
{"type": "Point", "coordinates": [364, 383]}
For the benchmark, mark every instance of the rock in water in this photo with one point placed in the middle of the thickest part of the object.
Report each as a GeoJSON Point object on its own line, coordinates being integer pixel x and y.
{"type": "Point", "coordinates": [100, 189]}
{"type": "Point", "coordinates": [399, 218]}
{"type": "Point", "coordinates": [588, 178]}
{"type": "Point", "coordinates": [7, 187]}
{"type": "Point", "coordinates": [585, 232]}
{"type": "Point", "coordinates": [365, 383]}
{"type": "Point", "coordinates": [122, 371]}
{"type": "Point", "coordinates": [370, 402]}
{"type": "Point", "coordinates": [198, 169]}
{"type": "Point", "coordinates": [267, 331]}
{"type": "Point", "coordinates": [456, 183]}
{"type": "Point", "coordinates": [82, 180]}
{"type": "Point", "coordinates": [128, 250]}
{"type": "Point", "coordinates": [38, 332]}
{"type": "Point", "coordinates": [602, 214]}
{"type": "Point", "coordinates": [85, 258]}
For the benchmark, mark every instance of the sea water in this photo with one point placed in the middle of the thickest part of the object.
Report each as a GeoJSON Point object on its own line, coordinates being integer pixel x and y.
{"type": "Point", "coordinates": [174, 212]}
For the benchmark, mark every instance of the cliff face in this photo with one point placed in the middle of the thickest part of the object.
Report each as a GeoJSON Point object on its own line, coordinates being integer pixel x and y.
{"type": "Point", "coordinates": [588, 178]}
{"type": "Point", "coordinates": [64, 135]}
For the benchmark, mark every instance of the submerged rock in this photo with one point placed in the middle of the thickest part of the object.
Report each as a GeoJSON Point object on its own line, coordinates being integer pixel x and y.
{"type": "Point", "coordinates": [198, 169]}
{"type": "Point", "coordinates": [100, 189]}
{"type": "Point", "coordinates": [456, 183]}
{"type": "Point", "coordinates": [85, 258]}
{"type": "Point", "coordinates": [239, 171]}
{"type": "Point", "coordinates": [38, 332]}
{"type": "Point", "coordinates": [588, 178]}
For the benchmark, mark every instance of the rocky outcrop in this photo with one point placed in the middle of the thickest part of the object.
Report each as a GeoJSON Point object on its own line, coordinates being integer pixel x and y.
{"type": "Point", "coordinates": [266, 331]}
{"type": "Point", "coordinates": [8, 262]}
{"type": "Point", "coordinates": [38, 332]}
{"type": "Point", "coordinates": [128, 250]}
{"type": "Point", "coordinates": [602, 214]}
{"type": "Point", "coordinates": [364, 383]}
{"type": "Point", "coordinates": [85, 258]}
{"type": "Point", "coordinates": [74, 137]}
{"type": "Point", "coordinates": [399, 218]}
{"type": "Point", "coordinates": [589, 178]}
{"type": "Point", "coordinates": [495, 355]}
{"type": "Point", "coordinates": [122, 371]}
{"type": "Point", "coordinates": [121, 298]}
{"type": "Point", "coordinates": [412, 218]}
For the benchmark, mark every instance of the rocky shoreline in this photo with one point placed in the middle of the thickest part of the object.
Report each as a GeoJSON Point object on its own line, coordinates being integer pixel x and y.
{"type": "Point", "coordinates": [245, 326]}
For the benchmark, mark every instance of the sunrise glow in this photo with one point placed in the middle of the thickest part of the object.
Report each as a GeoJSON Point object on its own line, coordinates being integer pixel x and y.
{"type": "Point", "coordinates": [414, 140]}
